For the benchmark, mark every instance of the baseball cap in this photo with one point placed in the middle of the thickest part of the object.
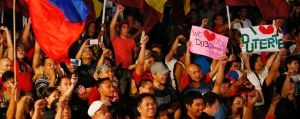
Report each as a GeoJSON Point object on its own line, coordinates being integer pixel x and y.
{"type": "Point", "coordinates": [95, 106]}
{"type": "Point", "coordinates": [159, 67]}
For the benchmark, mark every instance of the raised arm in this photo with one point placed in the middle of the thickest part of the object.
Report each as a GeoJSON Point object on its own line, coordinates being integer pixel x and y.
{"type": "Point", "coordinates": [69, 91]}
{"type": "Point", "coordinates": [11, 111]}
{"type": "Point", "coordinates": [225, 26]}
{"type": "Point", "coordinates": [271, 111]}
{"type": "Point", "coordinates": [220, 76]}
{"type": "Point", "coordinates": [273, 71]}
{"type": "Point", "coordinates": [140, 65]}
{"type": "Point", "coordinates": [113, 23]}
{"type": "Point", "coordinates": [169, 56]}
{"type": "Point", "coordinates": [21, 107]}
{"type": "Point", "coordinates": [251, 100]}
{"type": "Point", "coordinates": [25, 35]}
{"type": "Point", "coordinates": [36, 57]}
{"type": "Point", "coordinates": [100, 62]}
{"type": "Point", "coordinates": [204, 22]}
{"type": "Point", "coordinates": [215, 68]}
{"type": "Point", "coordinates": [245, 58]}
{"type": "Point", "coordinates": [38, 107]}
{"type": "Point", "coordinates": [10, 47]}
{"type": "Point", "coordinates": [79, 53]}
{"type": "Point", "coordinates": [187, 60]}
{"type": "Point", "coordinates": [271, 60]}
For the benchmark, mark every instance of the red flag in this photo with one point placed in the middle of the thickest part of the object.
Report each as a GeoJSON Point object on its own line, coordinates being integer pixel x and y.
{"type": "Point", "coordinates": [131, 3]}
{"type": "Point", "coordinates": [241, 3]}
{"type": "Point", "coordinates": [151, 16]}
{"type": "Point", "coordinates": [53, 28]}
{"type": "Point", "coordinates": [270, 9]}
{"type": "Point", "coordinates": [21, 6]}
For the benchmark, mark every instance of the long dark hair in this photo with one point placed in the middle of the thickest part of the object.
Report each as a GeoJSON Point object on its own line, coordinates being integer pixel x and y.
{"type": "Point", "coordinates": [252, 61]}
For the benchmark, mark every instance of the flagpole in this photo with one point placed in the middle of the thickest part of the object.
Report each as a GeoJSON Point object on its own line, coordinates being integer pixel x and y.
{"type": "Point", "coordinates": [14, 32]}
{"type": "Point", "coordinates": [228, 16]}
{"type": "Point", "coordinates": [103, 18]}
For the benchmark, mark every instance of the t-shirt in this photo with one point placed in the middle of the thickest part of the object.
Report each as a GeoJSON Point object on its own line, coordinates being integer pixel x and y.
{"type": "Point", "coordinates": [24, 78]}
{"type": "Point", "coordinates": [186, 80]}
{"type": "Point", "coordinates": [204, 88]}
{"type": "Point", "coordinates": [95, 95]}
{"type": "Point", "coordinates": [171, 66]}
{"type": "Point", "coordinates": [164, 98]}
{"type": "Point", "coordinates": [257, 81]}
{"type": "Point", "coordinates": [285, 109]}
{"type": "Point", "coordinates": [86, 75]}
{"type": "Point", "coordinates": [137, 78]}
{"type": "Point", "coordinates": [40, 84]}
{"type": "Point", "coordinates": [123, 49]}
{"type": "Point", "coordinates": [243, 24]}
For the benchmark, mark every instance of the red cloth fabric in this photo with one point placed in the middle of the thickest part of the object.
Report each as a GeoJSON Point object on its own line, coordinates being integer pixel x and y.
{"type": "Point", "coordinates": [137, 78]}
{"type": "Point", "coordinates": [270, 9]}
{"type": "Point", "coordinates": [95, 95]}
{"type": "Point", "coordinates": [54, 33]}
{"type": "Point", "coordinates": [264, 57]}
{"type": "Point", "coordinates": [151, 16]}
{"type": "Point", "coordinates": [29, 54]}
{"type": "Point", "coordinates": [123, 49]}
{"type": "Point", "coordinates": [186, 80]}
{"type": "Point", "coordinates": [24, 79]}
{"type": "Point", "coordinates": [216, 29]}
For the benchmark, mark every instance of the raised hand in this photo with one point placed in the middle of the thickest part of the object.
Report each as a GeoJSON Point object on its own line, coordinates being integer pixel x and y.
{"type": "Point", "coordinates": [145, 40]}
{"type": "Point", "coordinates": [180, 37]}
{"type": "Point", "coordinates": [120, 8]}
{"type": "Point", "coordinates": [204, 22]}
{"type": "Point", "coordinates": [74, 79]}
{"type": "Point", "coordinates": [276, 99]}
{"type": "Point", "coordinates": [40, 104]}
{"type": "Point", "coordinates": [253, 97]}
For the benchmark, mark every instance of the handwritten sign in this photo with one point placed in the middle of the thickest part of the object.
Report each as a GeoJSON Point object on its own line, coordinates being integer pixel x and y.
{"type": "Point", "coordinates": [208, 43]}
{"type": "Point", "coordinates": [264, 38]}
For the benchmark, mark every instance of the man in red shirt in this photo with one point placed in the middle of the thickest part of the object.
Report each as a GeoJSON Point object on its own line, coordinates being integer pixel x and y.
{"type": "Point", "coordinates": [124, 46]}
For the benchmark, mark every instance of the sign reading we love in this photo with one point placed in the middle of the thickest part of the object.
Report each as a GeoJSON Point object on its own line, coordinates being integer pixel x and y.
{"type": "Point", "coordinates": [261, 38]}
{"type": "Point", "coordinates": [208, 43]}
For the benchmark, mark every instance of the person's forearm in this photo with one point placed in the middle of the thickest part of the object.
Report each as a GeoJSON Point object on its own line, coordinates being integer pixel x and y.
{"type": "Point", "coordinates": [36, 57]}
{"type": "Point", "coordinates": [79, 53]}
{"type": "Point", "coordinates": [187, 60]}
{"type": "Point", "coordinates": [58, 114]}
{"type": "Point", "coordinates": [68, 93]}
{"type": "Point", "coordinates": [11, 111]}
{"type": "Point", "coordinates": [10, 47]}
{"type": "Point", "coordinates": [249, 111]}
{"type": "Point", "coordinates": [25, 35]}
{"type": "Point", "coordinates": [219, 80]}
{"type": "Point", "coordinates": [20, 110]}
{"type": "Point", "coordinates": [99, 64]}
{"type": "Point", "coordinates": [271, 111]}
{"type": "Point", "coordinates": [172, 50]}
{"type": "Point", "coordinates": [140, 65]}
{"type": "Point", "coordinates": [271, 60]}
{"type": "Point", "coordinates": [36, 114]}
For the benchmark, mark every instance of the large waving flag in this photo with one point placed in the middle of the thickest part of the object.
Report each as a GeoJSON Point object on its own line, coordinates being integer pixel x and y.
{"type": "Point", "coordinates": [57, 24]}
{"type": "Point", "coordinates": [152, 10]}
{"type": "Point", "coordinates": [270, 9]}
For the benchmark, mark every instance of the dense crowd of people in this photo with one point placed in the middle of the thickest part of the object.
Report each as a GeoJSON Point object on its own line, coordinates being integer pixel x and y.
{"type": "Point", "coordinates": [134, 76]}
